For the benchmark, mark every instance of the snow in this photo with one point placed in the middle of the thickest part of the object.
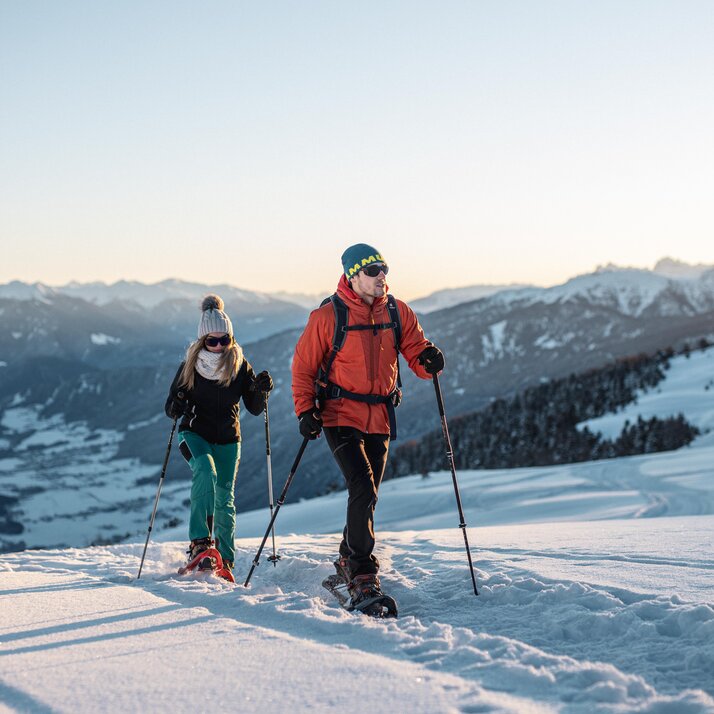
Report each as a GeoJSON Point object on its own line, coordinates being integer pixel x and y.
{"type": "Point", "coordinates": [16, 290]}
{"type": "Point", "coordinates": [494, 344]}
{"type": "Point", "coordinates": [688, 388]}
{"type": "Point", "coordinates": [592, 617]}
{"type": "Point", "coordinates": [149, 296]}
{"type": "Point", "coordinates": [19, 419]}
{"type": "Point", "coordinates": [99, 338]}
{"type": "Point", "coordinates": [630, 291]}
{"type": "Point", "coordinates": [449, 297]}
{"type": "Point", "coordinates": [584, 606]}
{"type": "Point", "coordinates": [86, 495]}
{"type": "Point", "coordinates": [595, 590]}
{"type": "Point", "coordinates": [546, 342]}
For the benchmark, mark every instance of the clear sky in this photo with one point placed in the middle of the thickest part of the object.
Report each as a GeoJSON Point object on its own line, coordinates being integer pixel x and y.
{"type": "Point", "coordinates": [250, 143]}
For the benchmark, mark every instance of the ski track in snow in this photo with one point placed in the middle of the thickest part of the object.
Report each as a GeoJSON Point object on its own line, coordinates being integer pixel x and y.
{"type": "Point", "coordinates": [566, 644]}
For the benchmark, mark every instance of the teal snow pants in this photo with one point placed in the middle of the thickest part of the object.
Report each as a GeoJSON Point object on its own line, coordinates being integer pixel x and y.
{"type": "Point", "coordinates": [214, 468]}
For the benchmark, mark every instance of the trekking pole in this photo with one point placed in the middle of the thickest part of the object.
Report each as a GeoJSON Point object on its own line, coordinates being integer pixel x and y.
{"type": "Point", "coordinates": [450, 457]}
{"type": "Point", "coordinates": [274, 558]}
{"type": "Point", "coordinates": [281, 500]}
{"type": "Point", "coordinates": [158, 493]}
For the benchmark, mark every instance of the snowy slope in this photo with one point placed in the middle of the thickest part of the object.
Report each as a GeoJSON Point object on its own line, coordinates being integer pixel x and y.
{"type": "Point", "coordinates": [442, 299]}
{"type": "Point", "coordinates": [595, 580]}
{"type": "Point", "coordinates": [628, 291]}
{"type": "Point", "coordinates": [688, 388]}
{"type": "Point", "coordinates": [607, 615]}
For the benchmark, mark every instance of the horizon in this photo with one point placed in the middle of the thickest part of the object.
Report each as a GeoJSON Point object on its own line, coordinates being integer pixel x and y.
{"type": "Point", "coordinates": [599, 268]}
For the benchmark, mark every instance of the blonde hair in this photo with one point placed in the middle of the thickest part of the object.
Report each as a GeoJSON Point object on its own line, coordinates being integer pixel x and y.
{"type": "Point", "coordinates": [230, 363]}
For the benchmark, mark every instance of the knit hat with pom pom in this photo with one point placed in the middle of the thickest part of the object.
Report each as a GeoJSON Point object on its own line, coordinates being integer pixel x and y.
{"type": "Point", "coordinates": [213, 318]}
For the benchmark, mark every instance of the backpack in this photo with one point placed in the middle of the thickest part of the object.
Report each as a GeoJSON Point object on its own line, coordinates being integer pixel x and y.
{"type": "Point", "coordinates": [329, 390]}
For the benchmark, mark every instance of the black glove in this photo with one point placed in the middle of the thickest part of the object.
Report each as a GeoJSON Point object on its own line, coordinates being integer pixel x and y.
{"type": "Point", "coordinates": [310, 424]}
{"type": "Point", "coordinates": [263, 382]}
{"type": "Point", "coordinates": [432, 359]}
{"type": "Point", "coordinates": [178, 405]}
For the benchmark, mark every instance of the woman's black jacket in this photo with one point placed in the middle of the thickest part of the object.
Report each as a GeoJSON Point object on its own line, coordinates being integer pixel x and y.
{"type": "Point", "coordinates": [213, 411]}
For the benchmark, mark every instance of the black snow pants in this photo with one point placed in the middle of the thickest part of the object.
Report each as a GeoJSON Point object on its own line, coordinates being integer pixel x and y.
{"type": "Point", "coordinates": [361, 458]}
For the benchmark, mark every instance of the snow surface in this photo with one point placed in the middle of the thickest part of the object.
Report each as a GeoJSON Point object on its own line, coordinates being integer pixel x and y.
{"type": "Point", "coordinates": [148, 296]}
{"type": "Point", "coordinates": [629, 291]}
{"type": "Point", "coordinates": [449, 297]}
{"type": "Point", "coordinates": [86, 495]}
{"type": "Point", "coordinates": [688, 388]}
{"type": "Point", "coordinates": [604, 611]}
{"type": "Point", "coordinates": [595, 588]}
{"type": "Point", "coordinates": [99, 338]}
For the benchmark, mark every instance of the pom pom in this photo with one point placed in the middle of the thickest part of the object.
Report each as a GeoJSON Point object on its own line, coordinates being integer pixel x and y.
{"type": "Point", "coordinates": [211, 302]}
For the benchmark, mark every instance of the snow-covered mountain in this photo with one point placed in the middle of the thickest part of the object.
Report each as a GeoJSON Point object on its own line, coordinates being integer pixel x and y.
{"type": "Point", "coordinates": [442, 299]}
{"type": "Point", "coordinates": [147, 295]}
{"type": "Point", "coordinates": [168, 310]}
{"type": "Point", "coordinates": [82, 371]}
{"type": "Point", "coordinates": [629, 291]}
{"type": "Point", "coordinates": [595, 597]}
{"type": "Point", "coordinates": [66, 483]}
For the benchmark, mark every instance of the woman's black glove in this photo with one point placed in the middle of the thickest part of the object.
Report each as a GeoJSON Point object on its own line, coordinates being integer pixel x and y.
{"type": "Point", "coordinates": [263, 382]}
{"type": "Point", "coordinates": [310, 424]}
{"type": "Point", "coordinates": [178, 405]}
{"type": "Point", "coordinates": [433, 359]}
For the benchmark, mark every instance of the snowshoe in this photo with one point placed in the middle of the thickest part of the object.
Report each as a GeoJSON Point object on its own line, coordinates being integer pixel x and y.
{"type": "Point", "coordinates": [361, 594]}
{"type": "Point", "coordinates": [366, 596]}
{"type": "Point", "coordinates": [226, 572]}
{"type": "Point", "coordinates": [202, 557]}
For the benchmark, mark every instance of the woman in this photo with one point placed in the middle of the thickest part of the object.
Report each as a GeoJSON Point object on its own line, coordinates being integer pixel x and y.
{"type": "Point", "coordinates": [206, 392]}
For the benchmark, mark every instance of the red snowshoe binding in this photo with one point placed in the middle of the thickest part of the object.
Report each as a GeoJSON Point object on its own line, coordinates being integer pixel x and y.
{"type": "Point", "coordinates": [203, 556]}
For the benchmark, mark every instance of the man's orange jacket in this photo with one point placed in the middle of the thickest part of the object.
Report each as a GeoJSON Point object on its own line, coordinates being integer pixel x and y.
{"type": "Point", "coordinates": [366, 364]}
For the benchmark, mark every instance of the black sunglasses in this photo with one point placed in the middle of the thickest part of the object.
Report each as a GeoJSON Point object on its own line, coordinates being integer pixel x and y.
{"type": "Point", "coordinates": [224, 340]}
{"type": "Point", "coordinates": [374, 270]}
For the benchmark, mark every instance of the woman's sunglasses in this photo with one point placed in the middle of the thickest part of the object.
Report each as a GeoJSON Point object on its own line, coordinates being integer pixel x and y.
{"type": "Point", "coordinates": [224, 340]}
{"type": "Point", "coordinates": [374, 270]}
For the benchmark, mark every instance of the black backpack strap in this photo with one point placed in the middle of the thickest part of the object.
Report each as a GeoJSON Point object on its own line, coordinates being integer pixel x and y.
{"type": "Point", "coordinates": [338, 337]}
{"type": "Point", "coordinates": [396, 319]}
{"type": "Point", "coordinates": [334, 391]}
{"type": "Point", "coordinates": [341, 318]}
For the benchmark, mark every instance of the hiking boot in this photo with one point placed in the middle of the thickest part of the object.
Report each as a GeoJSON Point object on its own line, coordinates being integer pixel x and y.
{"type": "Point", "coordinates": [342, 567]}
{"type": "Point", "coordinates": [364, 587]}
{"type": "Point", "coordinates": [198, 546]}
{"type": "Point", "coordinates": [226, 572]}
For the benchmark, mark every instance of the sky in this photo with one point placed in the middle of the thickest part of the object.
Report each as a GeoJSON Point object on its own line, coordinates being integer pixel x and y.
{"type": "Point", "coordinates": [251, 143]}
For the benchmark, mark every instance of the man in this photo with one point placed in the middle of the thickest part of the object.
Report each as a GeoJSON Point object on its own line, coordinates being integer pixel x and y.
{"type": "Point", "coordinates": [351, 393]}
